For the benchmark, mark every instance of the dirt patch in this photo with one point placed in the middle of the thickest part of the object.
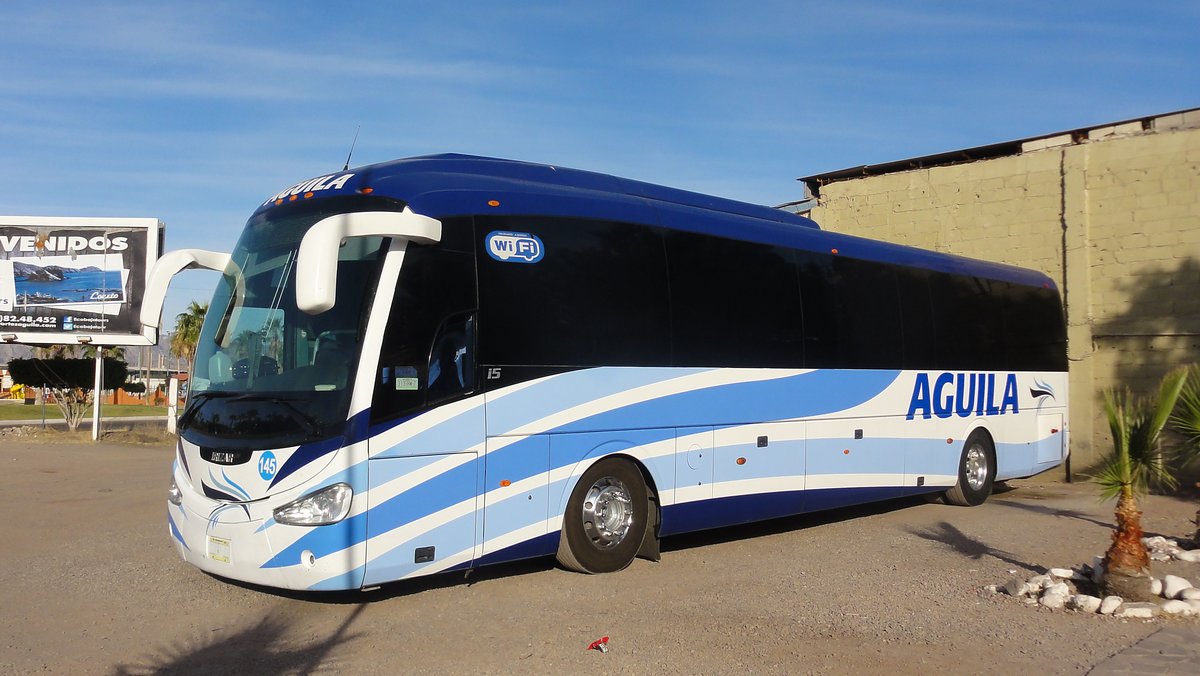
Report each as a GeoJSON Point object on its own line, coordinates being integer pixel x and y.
{"type": "Point", "coordinates": [93, 585]}
{"type": "Point", "coordinates": [113, 433]}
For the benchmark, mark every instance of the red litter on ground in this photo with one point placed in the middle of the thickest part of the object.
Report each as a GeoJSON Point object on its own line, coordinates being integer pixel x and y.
{"type": "Point", "coordinates": [600, 644]}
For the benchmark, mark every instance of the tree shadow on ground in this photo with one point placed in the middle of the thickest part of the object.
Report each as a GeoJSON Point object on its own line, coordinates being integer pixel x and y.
{"type": "Point", "coordinates": [946, 534]}
{"type": "Point", "coordinates": [260, 649]}
{"type": "Point", "coordinates": [1073, 514]}
{"type": "Point", "coordinates": [1057, 512]}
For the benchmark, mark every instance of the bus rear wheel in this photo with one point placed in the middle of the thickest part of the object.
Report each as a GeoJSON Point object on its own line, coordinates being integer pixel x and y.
{"type": "Point", "coordinates": [976, 471]}
{"type": "Point", "coordinates": [605, 521]}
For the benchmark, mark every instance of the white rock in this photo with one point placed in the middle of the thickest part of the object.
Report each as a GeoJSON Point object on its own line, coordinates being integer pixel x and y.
{"type": "Point", "coordinates": [1177, 608]}
{"type": "Point", "coordinates": [1059, 588]}
{"type": "Point", "coordinates": [1190, 594]}
{"type": "Point", "coordinates": [1062, 573]}
{"type": "Point", "coordinates": [1192, 555]}
{"type": "Point", "coordinates": [1053, 599]}
{"type": "Point", "coordinates": [1084, 603]}
{"type": "Point", "coordinates": [1173, 584]}
{"type": "Point", "coordinates": [1015, 587]}
{"type": "Point", "coordinates": [1110, 604]}
{"type": "Point", "coordinates": [1155, 586]}
{"type": "Point", "coordinates": [1042, 581]}
{"type": "Point", "coordinates": [1195, 604]}
{"type": "Point", "coordinates": [1159, 541]}
{"type": "Point", "coordinates": [1136, 610]}
{"type": "Point", "coordinates": [992, 589]}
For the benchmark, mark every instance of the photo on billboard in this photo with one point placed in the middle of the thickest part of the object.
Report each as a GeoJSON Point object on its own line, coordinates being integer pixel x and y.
{"type": "Point", "coordinates": [62, 278]}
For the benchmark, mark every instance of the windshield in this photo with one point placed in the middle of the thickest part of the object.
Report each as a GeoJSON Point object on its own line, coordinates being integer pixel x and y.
{"type": "Point", "coordinates": [267, 374]}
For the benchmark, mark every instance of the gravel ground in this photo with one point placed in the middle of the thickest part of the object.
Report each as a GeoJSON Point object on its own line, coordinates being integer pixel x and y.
{"type": "Point", "coordinates": [91, 584]}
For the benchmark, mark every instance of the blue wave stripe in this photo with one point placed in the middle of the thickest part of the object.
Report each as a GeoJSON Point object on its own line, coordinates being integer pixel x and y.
{"type": "Point", "coordinates": [541, 545]}
{"type": "Point", "coordinates": [241, 491]}
{"type": "Point", "coordinates": [383, 472]}
{"type": "Point", "coordinates": [226, 492]}
{"type": "Point", "coordinates": [447, 539]}
{"type": "Point", "coordinates": [800, 396]}
{"type": "Point", "coordinates": [175, 532]}
{"type": "Point", "coordinates": [803, 395]}
{"type": "Point", "coordinates": [352, 579]}
{"type": "Point", "coordinates": [459, 433]}
{"type": "Point", "coordinates": [355, 431]}
{"type": "Point", "coordinates": [718, 512]}
{"type": "Point", "coordinates": [567, 390]}
{"type": "Point", "coordinates": [421, 500]}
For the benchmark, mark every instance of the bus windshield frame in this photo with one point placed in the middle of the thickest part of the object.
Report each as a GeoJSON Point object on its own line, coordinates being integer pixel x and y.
{"type": "Point", "coordinates": [267, 374]}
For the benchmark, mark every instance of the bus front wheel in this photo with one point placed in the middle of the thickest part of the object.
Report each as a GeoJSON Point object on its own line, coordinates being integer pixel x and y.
{"type": "Point", "coordinates": [976, 471]}
{"type": "Point", "coordinates": [605, 520]}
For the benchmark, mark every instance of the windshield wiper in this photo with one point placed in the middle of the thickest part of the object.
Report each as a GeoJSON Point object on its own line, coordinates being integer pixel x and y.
{"type": "Point", "coordinates": [197, 400]}
{"type": "Point", "coordinates": [314, 427]}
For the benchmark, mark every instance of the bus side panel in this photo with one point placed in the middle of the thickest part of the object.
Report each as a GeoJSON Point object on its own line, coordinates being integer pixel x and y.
{"type": "Point", "coordinates": [422, 517]}
{"type": "Point", "coordinates": [735, 474]}
{"type": "Point", "coordinates": [853, 461]}
{"type": "Point", "coordinates": [516, 492]}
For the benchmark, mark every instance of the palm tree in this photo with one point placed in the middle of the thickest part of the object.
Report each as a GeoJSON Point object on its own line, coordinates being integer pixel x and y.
{"type": "Point", "coordinates": [1127, 474]}
{"type": "Point", "coordinates": [187, 331]}
{"type": "Point", "coordinates": [1186, 421]}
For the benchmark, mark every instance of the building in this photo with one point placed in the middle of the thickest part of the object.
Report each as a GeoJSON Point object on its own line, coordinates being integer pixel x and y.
{"type": "Point", "coordinates": [1111, 212]}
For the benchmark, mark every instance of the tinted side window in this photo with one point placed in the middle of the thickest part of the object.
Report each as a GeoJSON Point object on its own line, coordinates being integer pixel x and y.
{"type": "Point", "coordinates": [597, 296]}
{"type": "Point", "coordinates": [434, 299]}
{"type": "Point", "coordinates": [1034, 329]}
{"type": "Point", "coordinates": [822, 345]}
{"type": "Point", "coordinates": [851, 312]}
{"type": "Point", "coordinates": [733, 303]}
{"type": "Point", "coordinates": [968, 321]}
{"type": "Point", "coordinates": [868, 313]}
{"type": "Point", "coordinates": [916, 317]}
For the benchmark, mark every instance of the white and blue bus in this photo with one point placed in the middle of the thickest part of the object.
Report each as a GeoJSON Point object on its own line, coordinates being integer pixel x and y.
{"type": "Point", "coordinates": [443, 362]}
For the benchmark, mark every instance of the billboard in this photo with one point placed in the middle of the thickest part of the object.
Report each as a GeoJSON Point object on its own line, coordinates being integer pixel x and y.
{"type": "Point", "coordinates": [67, 279]}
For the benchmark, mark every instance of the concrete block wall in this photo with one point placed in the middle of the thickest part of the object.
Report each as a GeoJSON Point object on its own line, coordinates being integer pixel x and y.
{"type": "Point", "coordinates": [1113, 215]}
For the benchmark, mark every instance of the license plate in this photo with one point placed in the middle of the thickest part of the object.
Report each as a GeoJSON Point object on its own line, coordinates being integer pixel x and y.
{"type": "Point", "coordinates": [218, 549]}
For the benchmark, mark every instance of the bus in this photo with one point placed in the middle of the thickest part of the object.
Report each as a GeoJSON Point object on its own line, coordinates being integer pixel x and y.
{"type": "Point", "coordinates": [443, 362]}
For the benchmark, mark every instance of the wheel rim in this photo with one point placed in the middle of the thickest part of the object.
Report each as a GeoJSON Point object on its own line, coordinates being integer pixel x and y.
{"type": "Point", "coordinates": [607, 512]}
{"type": "Point", "coordinates": [976, 467]}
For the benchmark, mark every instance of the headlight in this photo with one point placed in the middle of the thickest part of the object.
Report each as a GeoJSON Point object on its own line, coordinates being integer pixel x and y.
{"type": "Point", "coordinates": [328, 505]}
{"type": "Point", "coordinates": [173, 495]}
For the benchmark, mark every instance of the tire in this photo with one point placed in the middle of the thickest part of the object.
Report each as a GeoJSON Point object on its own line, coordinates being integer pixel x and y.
{"type": "Point", "coordinates": [605, 521]}
{"type": "Point", "coordinates": [976, 471]}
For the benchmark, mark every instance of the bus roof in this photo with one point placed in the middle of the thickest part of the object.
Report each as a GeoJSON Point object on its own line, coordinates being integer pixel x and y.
{"type": "Point", "coordinates": [446, 185]}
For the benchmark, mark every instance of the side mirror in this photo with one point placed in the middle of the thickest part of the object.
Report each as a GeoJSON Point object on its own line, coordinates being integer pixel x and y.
{"type": "Point", "coordinates": [169, 265]}
{"type": "Point", "coordinates": [316, 264]}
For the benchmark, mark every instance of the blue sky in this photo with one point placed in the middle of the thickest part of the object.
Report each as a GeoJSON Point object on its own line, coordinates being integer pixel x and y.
{"type": "Point", "coordinates": [195, 112]}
